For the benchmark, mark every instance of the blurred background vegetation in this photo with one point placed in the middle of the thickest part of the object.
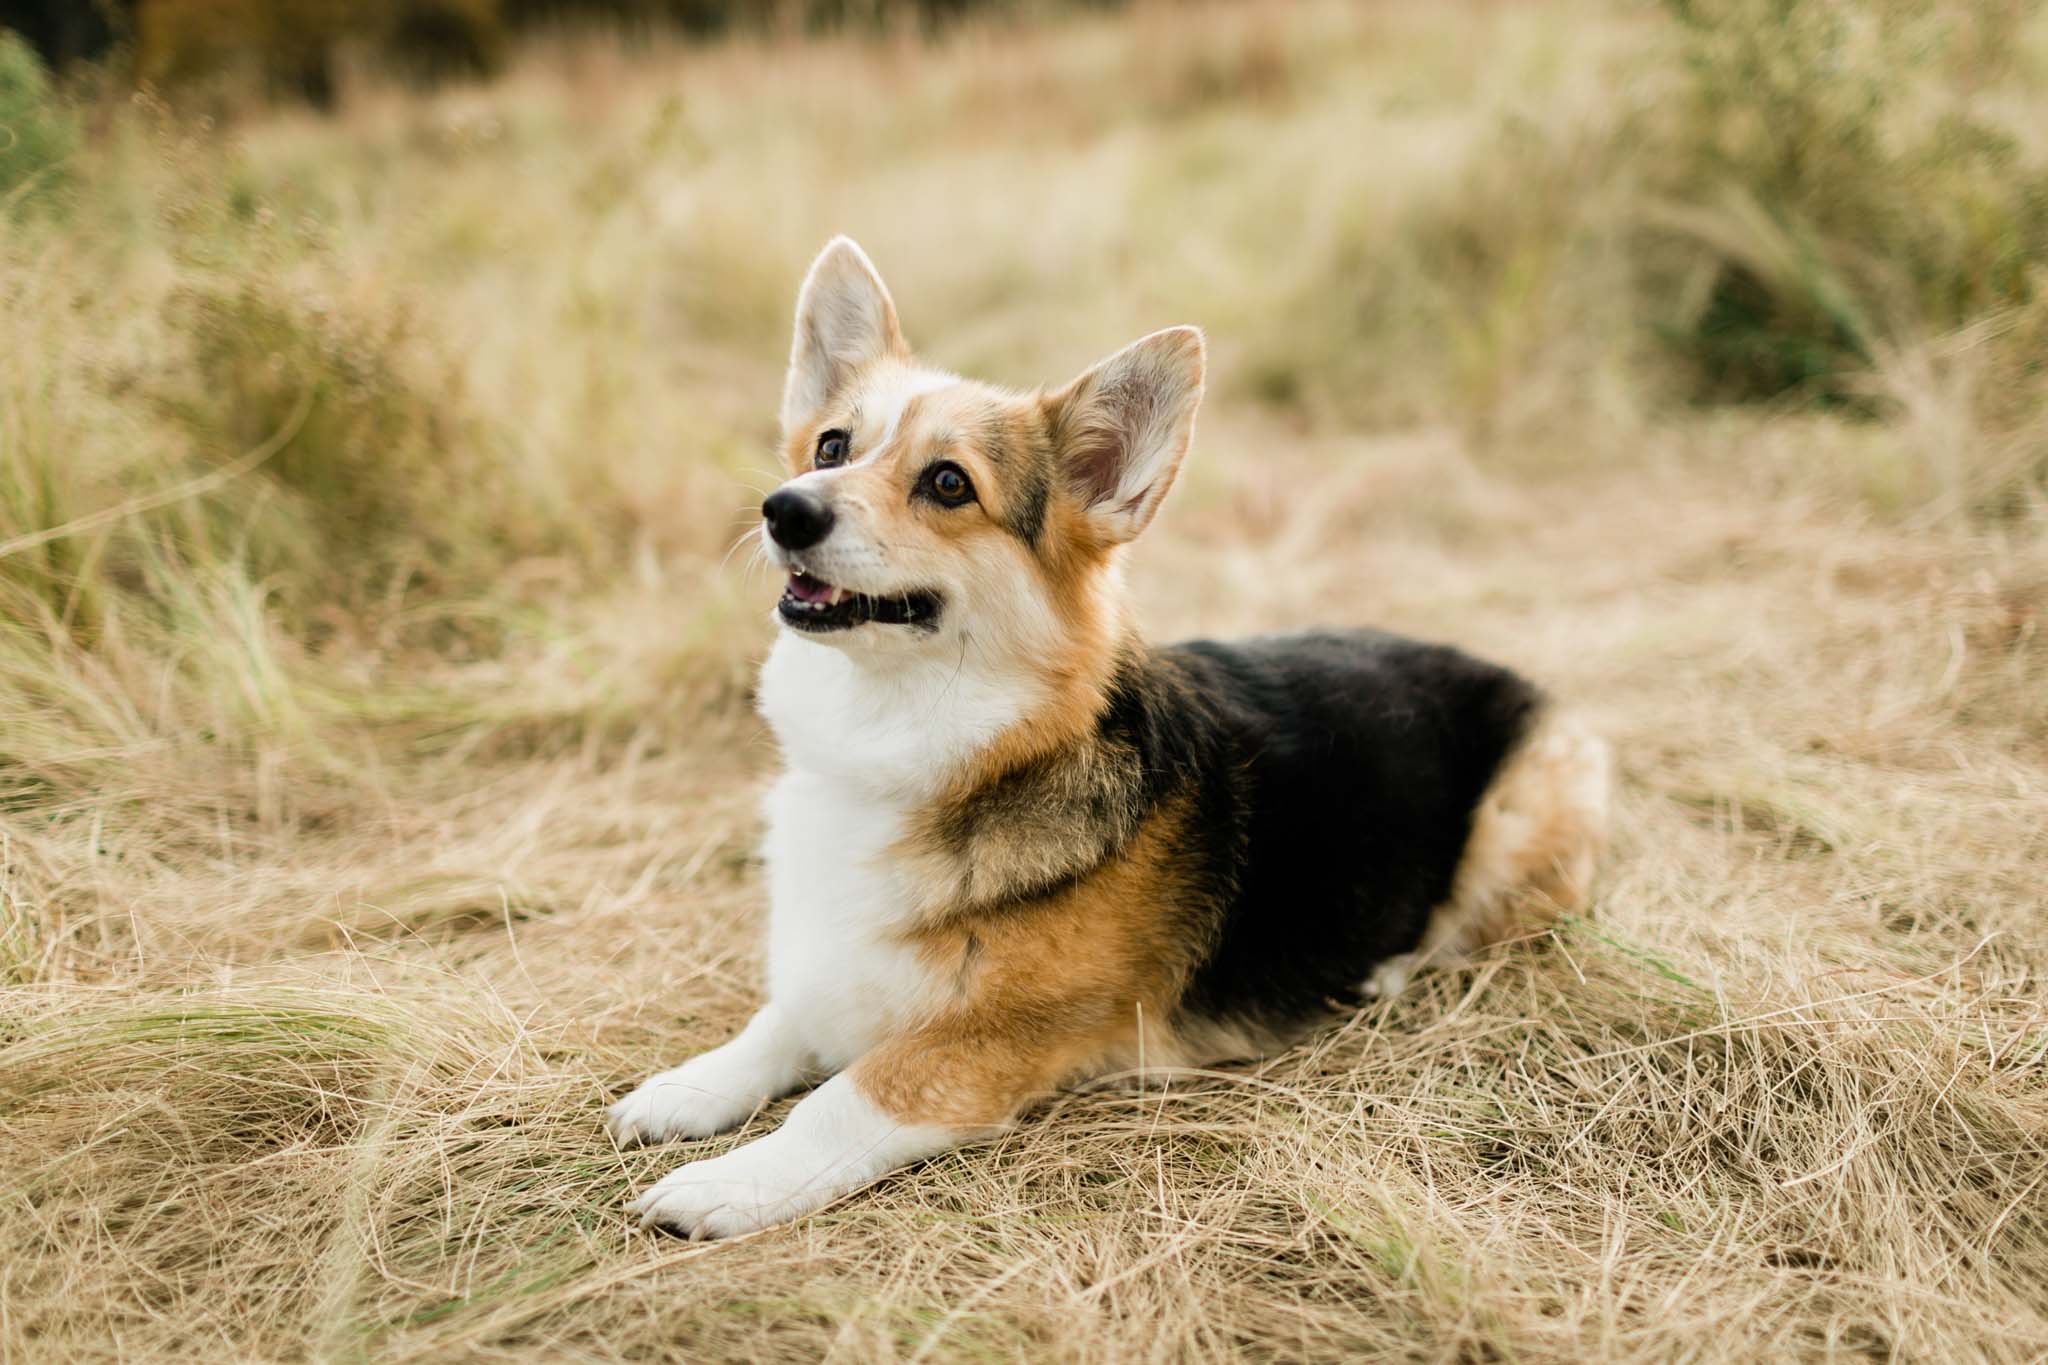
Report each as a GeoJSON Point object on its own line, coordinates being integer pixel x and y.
{"type": "Point", "coordinates": [354, 367]}
{"type": "Point", "coordinates": [291, 47]}
{"type": "Point", "coordinates": [385, 388]}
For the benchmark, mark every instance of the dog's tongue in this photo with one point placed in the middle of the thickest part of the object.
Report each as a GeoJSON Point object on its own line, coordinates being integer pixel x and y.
{"type": "Point", "coordinates": [805, 588]}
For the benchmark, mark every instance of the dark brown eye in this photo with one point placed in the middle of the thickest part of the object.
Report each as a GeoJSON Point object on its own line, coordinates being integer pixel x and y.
{"type": "Point", "coordinates": [948, 483]}
{"type": "Point", "coordinates": [831, 449]}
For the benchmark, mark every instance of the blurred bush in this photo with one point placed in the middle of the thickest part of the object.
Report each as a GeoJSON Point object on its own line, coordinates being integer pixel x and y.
{"type": "Point", "coordinates": [37, 131]}
{"type": "Point", "coordinates": [1792, 197]}
{"type": "Point", "coordinates": [1832, 191]}
{"type": "Point", "coordinates": [65, 31]}
{"type": "Point", "coordinates": [359, 437]}
{"type": "Point", "coordinates": [706, 16]}
{"type": "Point", "coordinates": [381, 474]}
{"type": "Point", "coordinates": [290, 46]}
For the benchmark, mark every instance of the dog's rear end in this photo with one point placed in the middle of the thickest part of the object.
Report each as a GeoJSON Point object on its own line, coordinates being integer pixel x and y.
{"type": "Point", "coordinates": [1536, 838]}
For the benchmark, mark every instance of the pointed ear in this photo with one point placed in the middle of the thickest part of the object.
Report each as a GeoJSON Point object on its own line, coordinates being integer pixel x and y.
{"type": "Point", "coordinates": [844, 319]}
{"type": "Point", "coordinates": [1120, 430]}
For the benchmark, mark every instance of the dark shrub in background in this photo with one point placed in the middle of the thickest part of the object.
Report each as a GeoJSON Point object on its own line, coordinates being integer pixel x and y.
{"type": "Point", "coordinates": [66, 31]}
{"type": "Point", "coordinates": [288, 47]}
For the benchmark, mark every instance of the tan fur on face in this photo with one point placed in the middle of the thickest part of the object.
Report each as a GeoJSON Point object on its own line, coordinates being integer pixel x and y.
{"type": "Point", "coordinates": [900, 421]}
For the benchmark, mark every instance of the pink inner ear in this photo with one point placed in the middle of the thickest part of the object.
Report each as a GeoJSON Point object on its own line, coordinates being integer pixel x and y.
{"type": "Point", "coordinates": [1117, 411]}
{"type": "Point", "coordinates": [1096, 464]}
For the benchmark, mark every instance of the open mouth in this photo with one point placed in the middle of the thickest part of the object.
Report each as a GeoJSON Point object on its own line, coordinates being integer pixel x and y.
{"type": "Point", "coordinates": [812, 604]}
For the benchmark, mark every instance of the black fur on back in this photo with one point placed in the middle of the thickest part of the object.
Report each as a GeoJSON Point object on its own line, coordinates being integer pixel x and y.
{"type": "Point", "coordinates": [1333, 778]}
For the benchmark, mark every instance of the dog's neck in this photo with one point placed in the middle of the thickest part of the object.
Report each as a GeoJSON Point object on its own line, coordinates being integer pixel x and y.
{"type": "Point", "coordinates": [910, 727]}
{"type": "Point", "coordinates": [894, 725]}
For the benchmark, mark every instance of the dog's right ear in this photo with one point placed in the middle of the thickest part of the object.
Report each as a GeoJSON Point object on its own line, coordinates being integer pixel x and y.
{"type": "Point", "coordinates": [844, 320]}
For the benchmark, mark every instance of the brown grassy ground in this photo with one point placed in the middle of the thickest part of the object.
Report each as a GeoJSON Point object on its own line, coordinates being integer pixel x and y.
{"type": "Point", "coordinates": [367, 821]}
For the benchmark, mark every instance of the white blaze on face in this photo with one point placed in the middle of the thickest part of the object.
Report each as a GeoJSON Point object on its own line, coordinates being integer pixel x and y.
{"type": "Point", "coordinates": [884, 400]}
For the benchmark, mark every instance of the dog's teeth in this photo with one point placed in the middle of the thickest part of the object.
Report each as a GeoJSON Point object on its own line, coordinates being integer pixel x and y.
{"type": "Point", "coordinates": [833, 599]}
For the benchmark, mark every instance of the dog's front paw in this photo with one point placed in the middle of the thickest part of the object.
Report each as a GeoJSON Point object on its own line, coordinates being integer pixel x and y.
{"type": "Point", "coordinates": [742, 1191]}
{"type": "Point", "coordinates": [835, 1141]}
{"type": "Point", "coordinates": [697, 1099]}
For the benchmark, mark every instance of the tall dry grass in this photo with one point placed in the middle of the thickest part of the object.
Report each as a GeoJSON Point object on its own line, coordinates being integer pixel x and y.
{"type": "Point", "coordinates": [377, 781]}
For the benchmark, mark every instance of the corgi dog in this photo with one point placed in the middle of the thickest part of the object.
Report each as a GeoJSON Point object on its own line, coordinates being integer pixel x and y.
{"type": "Point", "coordinates": [1014, 847]}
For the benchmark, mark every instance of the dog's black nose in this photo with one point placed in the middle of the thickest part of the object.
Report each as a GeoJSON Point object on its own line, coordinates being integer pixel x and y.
{"type": "Point", "coordinates": [798, 520]}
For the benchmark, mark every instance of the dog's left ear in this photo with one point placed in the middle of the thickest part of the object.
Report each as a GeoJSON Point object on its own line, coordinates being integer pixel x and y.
{"type": "Point", "coordinates": [1121, 430]}
{"type": "Point", "coordinates": [844, 319]}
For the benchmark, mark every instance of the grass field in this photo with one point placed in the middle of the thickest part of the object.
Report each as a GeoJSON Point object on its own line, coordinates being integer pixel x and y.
{"type": "Point", "coordinates": [378, 781]}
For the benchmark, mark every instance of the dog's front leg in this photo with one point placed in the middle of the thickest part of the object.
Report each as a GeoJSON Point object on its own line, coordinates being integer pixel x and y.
{"type": "Point", "coordinates": [717, 1090]}
{"type": "Point", "coordinates": [910, 1098]}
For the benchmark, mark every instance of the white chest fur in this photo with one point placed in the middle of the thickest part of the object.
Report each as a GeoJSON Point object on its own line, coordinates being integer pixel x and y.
{"type": "Point", "coordinates": [837, 968]}
{"type": "Point", "coordinates": [865, 739]}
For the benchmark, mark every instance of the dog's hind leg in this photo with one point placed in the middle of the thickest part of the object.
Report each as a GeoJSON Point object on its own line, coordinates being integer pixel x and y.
{"type": "Point", "coordinates": [1536, 835]}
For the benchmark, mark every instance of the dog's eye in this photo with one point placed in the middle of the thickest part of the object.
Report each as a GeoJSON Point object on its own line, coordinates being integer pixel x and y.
{"type": "Point", "coordinates": [831, 449]}
{"type": "Point", "coordinates": [948, 483]}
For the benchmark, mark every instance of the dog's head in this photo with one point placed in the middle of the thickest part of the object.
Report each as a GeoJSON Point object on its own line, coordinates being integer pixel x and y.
{"type": "Point", "coordinates": [921, 506]}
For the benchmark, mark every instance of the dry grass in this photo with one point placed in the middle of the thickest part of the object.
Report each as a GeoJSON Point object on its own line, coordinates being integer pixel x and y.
{"type": "Point", "coordinates": [356, 843]}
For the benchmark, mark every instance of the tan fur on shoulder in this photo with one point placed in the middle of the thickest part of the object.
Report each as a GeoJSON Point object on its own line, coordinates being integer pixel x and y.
{"type": "Point", "coordinates": [1046, 992]}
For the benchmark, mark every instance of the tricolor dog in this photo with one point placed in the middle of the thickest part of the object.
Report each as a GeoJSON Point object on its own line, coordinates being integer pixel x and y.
{"type": "Point", "coordinates": [1014, 846]}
